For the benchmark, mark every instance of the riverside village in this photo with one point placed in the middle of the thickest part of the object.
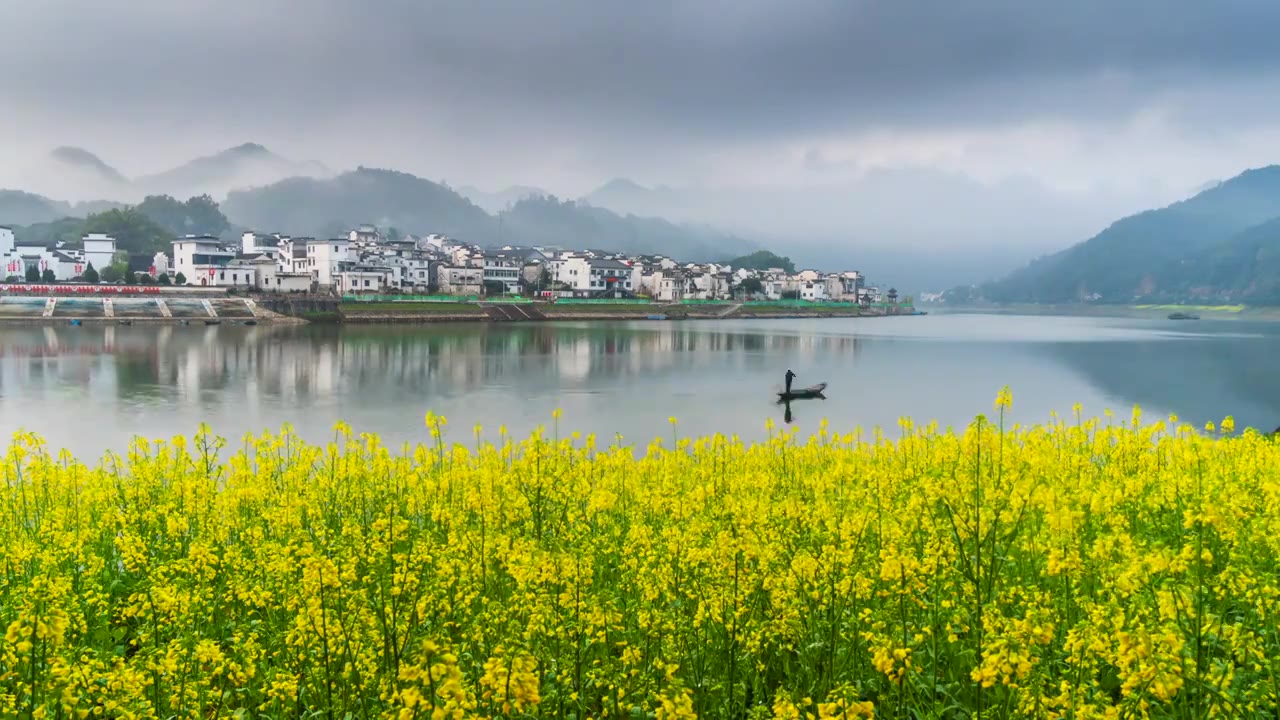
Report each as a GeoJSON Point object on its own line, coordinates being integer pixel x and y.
{"type": "Point", "coordinates": [370, 276]}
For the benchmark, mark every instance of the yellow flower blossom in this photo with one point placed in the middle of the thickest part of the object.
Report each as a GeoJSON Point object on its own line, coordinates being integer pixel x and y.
{"type": "Point", "coordinates": [1079, 568]}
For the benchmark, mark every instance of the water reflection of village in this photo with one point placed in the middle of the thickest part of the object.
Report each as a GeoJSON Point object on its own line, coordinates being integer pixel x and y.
{"type": "Point", "coordinates": [190, 365]}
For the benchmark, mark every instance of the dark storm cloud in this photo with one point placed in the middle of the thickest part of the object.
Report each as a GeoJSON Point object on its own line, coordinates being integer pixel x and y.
{"type": "Point", "coordinates": [662, 68]}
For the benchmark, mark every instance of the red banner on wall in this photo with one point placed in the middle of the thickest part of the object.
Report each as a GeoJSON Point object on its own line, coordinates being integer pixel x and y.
{"type": "Point", "coordinates": [15, 289]}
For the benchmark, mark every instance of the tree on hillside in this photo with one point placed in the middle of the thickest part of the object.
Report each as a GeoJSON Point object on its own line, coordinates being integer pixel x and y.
{"type": "Point", "coordinates": [763, 260]}
{"type": "Point", "coordinates": [90, 275]}
{"type": "Point", "coordinates": [133, 230]}
{"type": "Point", "coordinates": [68, 229]}
{"type": "Point", "coordinates": [198, 216]}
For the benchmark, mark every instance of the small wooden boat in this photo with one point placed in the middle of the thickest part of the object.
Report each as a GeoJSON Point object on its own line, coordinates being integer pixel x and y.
{"type": "Point", "coordinates": [814, 391]}
{"type": "Point", "coordinates": [250, 322]}
{"type": "Point", "coordinates": [1183, 316]}
{"type": "Point", "coordinates": [212, 322]}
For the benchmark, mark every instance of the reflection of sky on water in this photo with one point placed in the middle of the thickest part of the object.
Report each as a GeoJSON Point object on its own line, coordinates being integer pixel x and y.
{"type": "Point", "coordinates": [91, 388]}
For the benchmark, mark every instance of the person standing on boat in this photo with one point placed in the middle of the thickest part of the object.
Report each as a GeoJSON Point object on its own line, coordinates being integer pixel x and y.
{"type": "Point", "coordinates": [790, 377]}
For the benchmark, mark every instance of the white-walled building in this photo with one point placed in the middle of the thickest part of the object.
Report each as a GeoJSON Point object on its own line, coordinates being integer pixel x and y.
{"type": "Point", "coordinates": [7, 242]}
{"type": "Point", "coordinates": [199, 258]}
{"type": "Point", "coordinates": [590, 276]}
{"type": "Point", "coordinates": [252, 243]}
{"type": "Point", "coordinates": [505, 268]}
{"type": "Point", "coordinates": [455, 280]}
{"type": "Point", "coordinates": [64, 265]}
{"type": "Point", "coordinates": [667, 285]}
{"type": "Point", "coordinates": [99, 250]}
{"type": "Point", "coordinates": [293, 258]}
{"type": "Point", "coordinates": [328, 258]}
{"type": "Point", "coordinates": [268, 278]}
{"type": "Point", "coordinates": [16, 259]}
{"type": "Point", "coordinates": [815, 290]}
{"type": "Point", "coordinates": [366, 234]}
{"type": "Point", "coordinates": [239, 274]}
{"type": "Point", "coordinates": [365, 279]}
{"type": "Point", "coordinates": [774, 286]}
{"type": "Point", "coordinates": [843, 286]}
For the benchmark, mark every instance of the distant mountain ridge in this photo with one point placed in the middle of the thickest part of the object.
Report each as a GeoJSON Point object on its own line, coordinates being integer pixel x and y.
{"type": "Point", "coordinates": [24, 208]}
{"type": "Point", "coordinates": [245, 165]}
{"type": "Point", "coordinates": [325, 207]}
{"type": "Point", "coordinates": [82, 159]}
{"type": "Point", "coordinates": [494, 202]}
{"type": "Point", "coordinates": [628, 197]}
{"type": "Point", "coordinates": [1215, 245]}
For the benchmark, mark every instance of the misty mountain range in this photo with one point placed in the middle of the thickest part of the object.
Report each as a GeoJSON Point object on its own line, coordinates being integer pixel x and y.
{"type": "Point", "coordinates": [305, 200]}
{"type": "Point", "coordinates": [881, 223]}
{"type": "Point", "coordinates": [244, 165]}
{"type": "Point", "coordinates": [1222, 245]}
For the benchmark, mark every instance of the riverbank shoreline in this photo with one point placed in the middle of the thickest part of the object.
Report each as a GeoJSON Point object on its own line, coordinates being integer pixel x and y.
{"type": "Point", "coordinates": [600, 313]}
{"type": "Point", "coordinates": [272, 311]}
{"type": "Point", "coordinates": [1140, 312]}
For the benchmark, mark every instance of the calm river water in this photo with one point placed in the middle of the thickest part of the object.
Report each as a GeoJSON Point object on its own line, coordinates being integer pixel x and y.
{"type": "Point", "coordinates": [90, 389]}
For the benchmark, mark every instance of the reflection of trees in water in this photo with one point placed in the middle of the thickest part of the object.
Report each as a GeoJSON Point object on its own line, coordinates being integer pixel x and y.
{"type": "Point", "coordinates": [298, 363]}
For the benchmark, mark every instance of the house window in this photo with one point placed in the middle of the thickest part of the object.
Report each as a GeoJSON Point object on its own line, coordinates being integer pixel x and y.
{"type": "Point", "coordinates": [222, 276]}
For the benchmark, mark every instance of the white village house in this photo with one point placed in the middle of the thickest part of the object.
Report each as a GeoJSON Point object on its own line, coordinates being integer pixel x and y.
{"type": "Point", "coordinates": [202, 260]}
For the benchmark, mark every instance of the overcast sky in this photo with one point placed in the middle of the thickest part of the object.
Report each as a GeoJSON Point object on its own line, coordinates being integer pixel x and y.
{"type": "Point", "coordinates": [1135, 99]}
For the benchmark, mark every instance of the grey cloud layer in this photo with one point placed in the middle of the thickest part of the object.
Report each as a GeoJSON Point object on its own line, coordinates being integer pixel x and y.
{"type": "Point", "coordinates": [664, 67]}
{"type": "Point", "coordinates": [566, 94]}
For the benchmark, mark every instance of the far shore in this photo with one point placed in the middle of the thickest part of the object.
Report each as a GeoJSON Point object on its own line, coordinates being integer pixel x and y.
{"type": "Point", "coordinates": [319, 311]}
{"type": "Point", "coordinates": [1146, 312]}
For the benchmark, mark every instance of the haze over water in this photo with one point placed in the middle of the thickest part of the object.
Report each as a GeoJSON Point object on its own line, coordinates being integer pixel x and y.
{"type": "Point", "coordinates": [91, 389]}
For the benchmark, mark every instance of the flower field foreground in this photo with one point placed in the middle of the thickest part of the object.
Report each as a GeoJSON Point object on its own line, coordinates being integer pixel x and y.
{"type": "Point", "coordinates": [1080, 569]}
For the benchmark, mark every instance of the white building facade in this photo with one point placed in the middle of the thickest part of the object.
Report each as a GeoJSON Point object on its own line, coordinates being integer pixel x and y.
{"type": "Point", "coordinates": [99, 250]}
{"type": "Point", "coordinates": [328, 258]}
{"type": "Point", "coordinates": [456, 280]}
{"type": "Point", "coordinates": [200, 259]}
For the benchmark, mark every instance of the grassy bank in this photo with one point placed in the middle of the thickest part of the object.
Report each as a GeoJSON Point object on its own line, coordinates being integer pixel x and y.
{"type": "Point", "coordinates": [553, 309]}
{"type": "Point", "coordinates": [410, 308]}
{"type": "Point", "coordinates": [1086, 569]}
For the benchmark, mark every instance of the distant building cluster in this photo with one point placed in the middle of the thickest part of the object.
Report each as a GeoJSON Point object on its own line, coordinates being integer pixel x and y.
{"type": "Point", "coordinates": [64, 263]}
{"type": "Point", "coordinates": [367, 262]}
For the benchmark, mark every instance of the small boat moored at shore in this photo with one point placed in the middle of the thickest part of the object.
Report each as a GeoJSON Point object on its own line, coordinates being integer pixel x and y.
{"type": "Point", "coordinates": [1183, 316]}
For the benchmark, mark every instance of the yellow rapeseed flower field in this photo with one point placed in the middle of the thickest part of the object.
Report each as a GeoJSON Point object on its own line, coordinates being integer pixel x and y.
{"type": "Point", "coordinates": [1079, 569]}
